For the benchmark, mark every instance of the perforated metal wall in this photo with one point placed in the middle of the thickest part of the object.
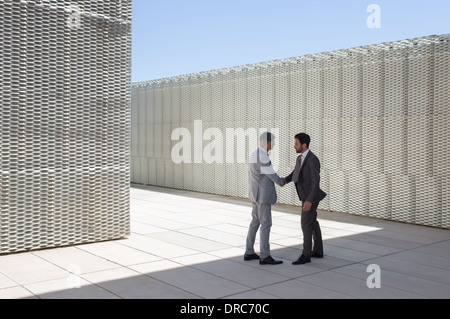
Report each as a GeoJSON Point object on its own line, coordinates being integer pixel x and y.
{"type": "Point", "coordinates": [65, 122]}
{"type": "Point", "coordinates": [378, 117]}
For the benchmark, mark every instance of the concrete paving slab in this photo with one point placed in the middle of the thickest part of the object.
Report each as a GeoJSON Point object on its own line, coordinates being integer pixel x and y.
{"type": "Point", "coordinates": [26, 268]}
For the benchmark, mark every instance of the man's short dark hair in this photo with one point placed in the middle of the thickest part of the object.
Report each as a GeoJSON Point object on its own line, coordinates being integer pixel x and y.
{"type": "Point", "coordinates": [266, 138]}
{"type": "Point", "coordinates": [303, 138]}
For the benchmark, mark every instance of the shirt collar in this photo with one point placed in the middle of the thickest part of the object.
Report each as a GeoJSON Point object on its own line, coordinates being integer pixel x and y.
{"type": "Point", "coordinates": [262, 149]}
{"type": "Point", "coordinates": [304, 154]}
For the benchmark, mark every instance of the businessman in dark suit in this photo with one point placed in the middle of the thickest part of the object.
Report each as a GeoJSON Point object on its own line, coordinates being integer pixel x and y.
{"type": "Point", "coordinates": [306, 177]}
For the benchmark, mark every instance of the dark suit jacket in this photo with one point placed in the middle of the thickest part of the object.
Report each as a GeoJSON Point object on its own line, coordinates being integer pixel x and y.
{"type": "Point", "coordinates": [308, 186]}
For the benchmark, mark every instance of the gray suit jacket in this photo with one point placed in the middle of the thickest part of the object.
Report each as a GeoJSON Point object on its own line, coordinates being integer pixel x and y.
{"type": "Point", "coordinates": [262, 178]}
{"type": "Point", "coordinates": [308, 186]}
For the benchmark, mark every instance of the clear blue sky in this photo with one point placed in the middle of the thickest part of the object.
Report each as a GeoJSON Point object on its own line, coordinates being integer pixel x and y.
{"type": "Point", "coordinates": [175, 37]}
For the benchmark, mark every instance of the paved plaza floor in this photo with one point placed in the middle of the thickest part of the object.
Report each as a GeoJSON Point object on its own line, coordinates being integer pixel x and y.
{"type": "Point", "coordinates": [188, 245]}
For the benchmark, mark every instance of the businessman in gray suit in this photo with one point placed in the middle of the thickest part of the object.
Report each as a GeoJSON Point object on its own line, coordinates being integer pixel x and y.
{"type": "Point", "coordinates": [306, 176]}
{"type": "Point", "coordinates": [263, 195]}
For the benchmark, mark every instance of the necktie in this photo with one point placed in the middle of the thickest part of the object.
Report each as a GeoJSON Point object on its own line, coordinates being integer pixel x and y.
{"type": "Point", "coordinates": [298, 166]}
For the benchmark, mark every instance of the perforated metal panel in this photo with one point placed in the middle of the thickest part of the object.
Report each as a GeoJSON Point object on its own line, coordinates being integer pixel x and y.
{"type": "Point", "coordinates": [65, 123]}
{"type": "Point", "coordinates": [380, 196]}
{"type": "Point", "coordinates": [378, 117]}
{"type": "Point", "coordinates": [358, 193]}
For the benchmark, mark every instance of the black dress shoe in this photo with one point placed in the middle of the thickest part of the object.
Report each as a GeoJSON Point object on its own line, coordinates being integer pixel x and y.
{"type": "Point", "coordinates": [251, 257]}
{"type": "Point", "coordinates": [270, 261]}
{"type": "Point", "coordinates": [316, 255]}
{"type": "Point", "coordinates": [302, 260]}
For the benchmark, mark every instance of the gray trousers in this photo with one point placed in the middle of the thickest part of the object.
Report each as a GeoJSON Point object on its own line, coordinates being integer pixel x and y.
{"type": "Point", "coordinates": [311, 230]}
{"type": "Point", "coordinates": [262, 220]}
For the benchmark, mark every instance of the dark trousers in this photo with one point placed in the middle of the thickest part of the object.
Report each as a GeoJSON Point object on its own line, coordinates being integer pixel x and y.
{"type": "Point", "coordinates": [311, 231]}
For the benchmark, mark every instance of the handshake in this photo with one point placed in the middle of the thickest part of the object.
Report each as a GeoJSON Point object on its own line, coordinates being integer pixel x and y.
{"type": "Point", "coordinates": [284, 182]}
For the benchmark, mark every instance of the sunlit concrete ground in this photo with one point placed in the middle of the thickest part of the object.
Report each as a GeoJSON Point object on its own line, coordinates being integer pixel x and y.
{"type": "Point", "coordinates": [187, 245]}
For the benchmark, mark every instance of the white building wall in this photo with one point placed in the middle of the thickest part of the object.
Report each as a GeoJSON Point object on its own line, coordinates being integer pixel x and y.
{"type": "Point", "coordinates": [64, 122]}
{"type": "Point", "coordinates": [378, 117]}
